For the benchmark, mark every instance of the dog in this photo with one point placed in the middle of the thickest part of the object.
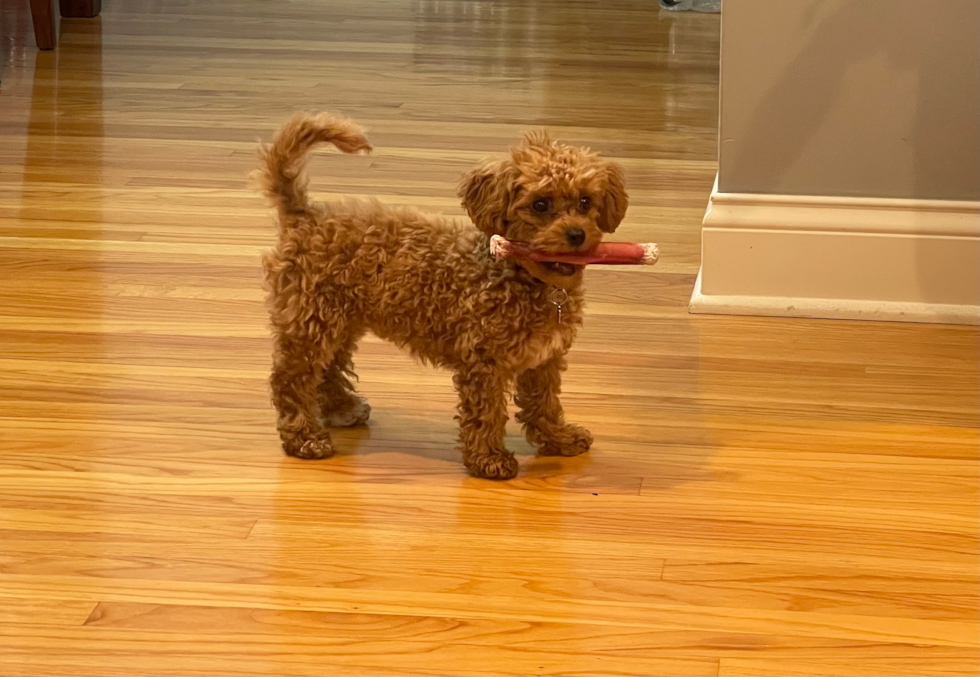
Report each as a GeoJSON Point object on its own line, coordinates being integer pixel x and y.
{"type": "Point", "coordinates": [429, 285]}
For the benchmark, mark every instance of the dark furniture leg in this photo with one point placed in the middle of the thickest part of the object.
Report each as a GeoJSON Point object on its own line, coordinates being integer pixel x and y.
{"type": "Point", "coordinates": [42, 12]}
{"type": "Point", "coordinates": [82, 9]}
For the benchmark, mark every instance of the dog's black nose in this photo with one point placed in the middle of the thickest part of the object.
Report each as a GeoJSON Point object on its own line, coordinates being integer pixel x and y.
{"type": "Point", "coordinates": [575, 236]}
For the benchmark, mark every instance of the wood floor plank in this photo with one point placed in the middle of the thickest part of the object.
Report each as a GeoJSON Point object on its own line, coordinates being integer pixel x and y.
{"type": "Point", "coordinates": [899, 664]}
{"type": "Point", "coordinates": [43, 612]}
{"type": "Point", "coordinates": [574, 570]}
{"type": "Point", "coordinates": [96, 521]}
{"type": "Point", "coordinates": [116, 652]}
{"type": "Point", "coordinates": [462, 605]}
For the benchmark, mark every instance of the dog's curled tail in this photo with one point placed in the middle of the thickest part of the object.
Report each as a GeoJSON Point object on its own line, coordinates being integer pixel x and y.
{"type": "Point", "coordinates": [281, 176]}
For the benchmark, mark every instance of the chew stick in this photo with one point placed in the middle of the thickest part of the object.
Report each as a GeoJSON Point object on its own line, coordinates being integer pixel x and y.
{"type": "Point", "coordinates": [606, 253]}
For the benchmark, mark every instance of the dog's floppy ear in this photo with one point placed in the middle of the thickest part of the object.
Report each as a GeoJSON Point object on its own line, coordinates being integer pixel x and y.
{"type": "Point", "coordinates": [614, 202]}
{"type": "Point", "coordinates": [485, 192]}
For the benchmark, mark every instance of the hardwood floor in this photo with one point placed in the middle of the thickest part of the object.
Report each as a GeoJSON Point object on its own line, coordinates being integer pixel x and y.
{"type": "Point", "coordinates": [765, 497]}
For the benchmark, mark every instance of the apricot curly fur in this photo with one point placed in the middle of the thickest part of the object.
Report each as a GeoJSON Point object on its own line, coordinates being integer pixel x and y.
{"type": "Point", "coordinates": [429, 285]}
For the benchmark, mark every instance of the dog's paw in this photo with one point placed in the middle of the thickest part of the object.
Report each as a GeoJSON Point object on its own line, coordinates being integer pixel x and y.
{"type": "Point", "coordinates": [312, 449]}
{"type": "Point", "coordinates": [499, 465]}
{"type": "Point", "coordinates": [569, 440]}
{"type": "Point", "coordinates": [357, 414]}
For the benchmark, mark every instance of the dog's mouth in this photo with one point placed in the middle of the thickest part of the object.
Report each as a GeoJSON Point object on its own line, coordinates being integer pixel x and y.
{"type": "Point", "coordinates": [566, 269]}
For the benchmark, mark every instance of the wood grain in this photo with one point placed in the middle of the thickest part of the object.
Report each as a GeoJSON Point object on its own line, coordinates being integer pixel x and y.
{"type": "Point", "coordinates": [14, 611]}
{"type": "Point", "coordinates": [765, 496]}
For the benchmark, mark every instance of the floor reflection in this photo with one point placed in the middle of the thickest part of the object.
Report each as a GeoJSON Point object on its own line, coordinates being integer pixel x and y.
{"type": "Point", "coordinates": [65, 142]}
{"type": "Point", "coordinates": [59, 216]}
{"type": "Point", "coordinates": [552, 73]}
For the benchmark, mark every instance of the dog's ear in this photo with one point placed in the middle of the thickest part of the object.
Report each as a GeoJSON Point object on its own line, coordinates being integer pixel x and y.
{"type": "Point", "coordinates": [485, 192]}
{"type": "Point", "coordinates": [614, 202]}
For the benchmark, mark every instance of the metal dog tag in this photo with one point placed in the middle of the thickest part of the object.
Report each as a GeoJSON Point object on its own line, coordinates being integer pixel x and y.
{"type": "Point", "coordinates": [558, 297]}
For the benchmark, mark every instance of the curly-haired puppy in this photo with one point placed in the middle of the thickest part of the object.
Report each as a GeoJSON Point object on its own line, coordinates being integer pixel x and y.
{"type": "Point", "coordinates": [429, 285]}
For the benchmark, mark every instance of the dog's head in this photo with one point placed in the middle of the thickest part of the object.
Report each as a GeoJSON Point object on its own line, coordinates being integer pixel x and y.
{"type": "Point", "coordinates": [556, 197]}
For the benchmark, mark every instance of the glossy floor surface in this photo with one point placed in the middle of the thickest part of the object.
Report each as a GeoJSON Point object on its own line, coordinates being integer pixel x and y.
{"type": "Point", "coordinates": [765, 497]}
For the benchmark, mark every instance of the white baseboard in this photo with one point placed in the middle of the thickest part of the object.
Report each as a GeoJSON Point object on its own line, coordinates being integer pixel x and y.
{"type": "Point", "coordinates": [841, 309]}
{"type": "Point", "coordinates": [838, 257]}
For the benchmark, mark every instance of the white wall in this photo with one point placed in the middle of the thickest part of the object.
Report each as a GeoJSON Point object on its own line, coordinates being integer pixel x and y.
{"type": "Point", "coordinates": [849, 161]}
{"type": "Point", "coordinates": [871, 98]}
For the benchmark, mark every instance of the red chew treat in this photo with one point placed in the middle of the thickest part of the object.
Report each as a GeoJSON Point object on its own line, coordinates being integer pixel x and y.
{"type": "Point", "coordinates": [606, 253]}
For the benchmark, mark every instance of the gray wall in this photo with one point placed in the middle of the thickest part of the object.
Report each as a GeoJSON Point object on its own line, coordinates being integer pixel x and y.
{"type": "Point", "coordinates": [872, 98]}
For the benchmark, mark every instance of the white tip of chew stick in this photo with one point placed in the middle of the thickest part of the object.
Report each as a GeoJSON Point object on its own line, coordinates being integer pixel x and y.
{"type": "Point", "coordinates": [498, 246]}
{"type": "Point", "coordinates": [651, 253]}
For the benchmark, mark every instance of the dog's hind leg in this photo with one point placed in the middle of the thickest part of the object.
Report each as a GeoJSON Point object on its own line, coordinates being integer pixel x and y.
{"type": "Point", "coordinates": [297, 371]}
{"type": "Point", "coordinates": [340, 406]}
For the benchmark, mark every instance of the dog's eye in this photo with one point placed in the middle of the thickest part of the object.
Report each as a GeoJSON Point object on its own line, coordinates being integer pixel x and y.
{"type": "Point", "coordinates": [585, 203]}
{"type": "Point", "coordinates": [541, 206]}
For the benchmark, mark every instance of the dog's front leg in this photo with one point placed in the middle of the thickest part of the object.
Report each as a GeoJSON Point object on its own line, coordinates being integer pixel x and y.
{"type": "Point", "coordinates": [482, 422]}
{"type": "Point", "coordinates": [542, 415]}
